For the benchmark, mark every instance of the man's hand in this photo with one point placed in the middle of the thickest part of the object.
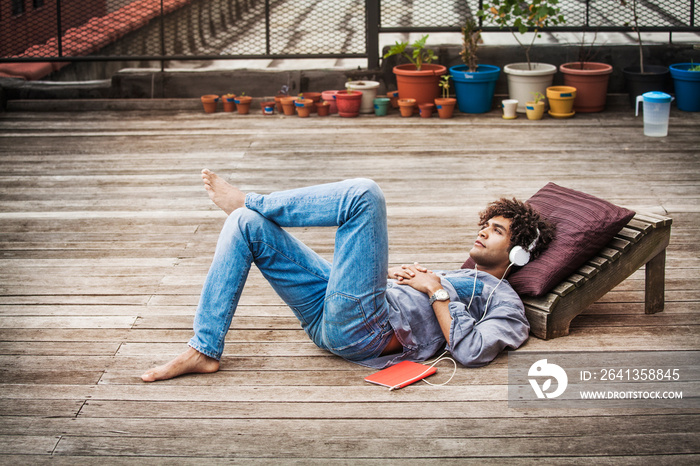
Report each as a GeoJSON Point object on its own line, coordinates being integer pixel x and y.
{"type": "Point", "coordinates": [427, 282]}
{"type": "Point", "coordinates": [417, 277]}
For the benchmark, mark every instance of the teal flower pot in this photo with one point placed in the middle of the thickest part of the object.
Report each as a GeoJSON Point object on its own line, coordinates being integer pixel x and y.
{"type": "Point", "coordinates": [381, 105]}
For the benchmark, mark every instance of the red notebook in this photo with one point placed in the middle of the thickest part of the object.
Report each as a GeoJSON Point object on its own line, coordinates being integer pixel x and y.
{"type": "Point", "coordinates": [401, 375]}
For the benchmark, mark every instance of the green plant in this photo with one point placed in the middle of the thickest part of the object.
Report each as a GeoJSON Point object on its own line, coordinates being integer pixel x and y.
{"type": "Point", "coordinates": [445, 85]}
{"type": "Point", "coordinates": [693, 66]}
{"type": "Point", "coordinates": [419, 53]}
{"type": "Point", "coordinates": [537, 96]}
{"type": "Point", "coordinates": [523, 16]}
{"type": "Point", "coordinates": [471, 37]}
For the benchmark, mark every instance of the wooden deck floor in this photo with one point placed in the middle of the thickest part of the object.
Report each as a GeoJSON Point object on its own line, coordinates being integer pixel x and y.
{"type": "Point", "coordinates": [106, 235]}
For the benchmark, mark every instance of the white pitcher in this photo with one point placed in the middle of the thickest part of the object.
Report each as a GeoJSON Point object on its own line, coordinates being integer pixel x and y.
{"type": "Point", "coordinates": [657, 106]}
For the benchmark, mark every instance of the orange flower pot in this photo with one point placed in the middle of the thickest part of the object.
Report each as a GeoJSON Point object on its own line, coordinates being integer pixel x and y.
{"type": "Point", "coordinates": [209, 102]}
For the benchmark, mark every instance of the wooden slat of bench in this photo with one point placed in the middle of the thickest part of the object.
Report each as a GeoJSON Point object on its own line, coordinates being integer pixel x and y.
{"type": "Point", "coordinates": [642, 241]}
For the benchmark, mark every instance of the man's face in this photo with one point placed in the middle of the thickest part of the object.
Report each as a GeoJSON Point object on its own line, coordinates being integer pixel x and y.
{"type": "Point", "coordinates": [493, 243]}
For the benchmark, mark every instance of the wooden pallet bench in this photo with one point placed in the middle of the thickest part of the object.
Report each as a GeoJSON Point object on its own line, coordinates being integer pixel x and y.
{"type": "Point", "coordinates": [642, 241]}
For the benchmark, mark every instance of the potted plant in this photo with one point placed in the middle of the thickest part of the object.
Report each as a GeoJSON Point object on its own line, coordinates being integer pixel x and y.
{"type": "Point", "coordinates": [304, 106]}
{"type": "Point", "coordinates": [348, 102]}
{"type": "Point", "coordinates": [534, 109]}
{"type": "Point", "coordinates": [419, 78]}
{"type": "Point", "coordinates": [527, 77]}
{"type": "Point", "coordinates": [445, 105]}
{"type": "Point", "coordinates": [229, 101]}
{"type": "Point", "coordinates": [474, 84]}
{"type": "Point", "coordinates": [686, 80]}
{"type": "Point", "coordinates": [590, 79]}
{"type": "Point", "coordinates": [643, 78]}
{"type": "Point", "coordinates": [243, 103]}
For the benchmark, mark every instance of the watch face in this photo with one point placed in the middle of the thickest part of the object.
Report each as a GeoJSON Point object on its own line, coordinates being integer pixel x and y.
{"type": "Point", "coordinates": [442, 295]}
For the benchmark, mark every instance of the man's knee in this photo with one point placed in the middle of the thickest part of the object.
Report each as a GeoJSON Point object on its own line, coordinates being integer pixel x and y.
{"type": "Point", "coordinates": [369, 190]}
{"type": "Point", "coordinates": [242, 221]}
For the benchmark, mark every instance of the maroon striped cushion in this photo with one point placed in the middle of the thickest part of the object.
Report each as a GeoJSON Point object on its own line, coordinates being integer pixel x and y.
{"type": "Point", "coordinates": [584, 225]}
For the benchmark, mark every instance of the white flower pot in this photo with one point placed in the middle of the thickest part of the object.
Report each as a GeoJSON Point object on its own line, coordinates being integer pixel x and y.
{"type": "Point", "coordinates": [369, 92]}
{"type": "Point", "coordinates": [523, 81]}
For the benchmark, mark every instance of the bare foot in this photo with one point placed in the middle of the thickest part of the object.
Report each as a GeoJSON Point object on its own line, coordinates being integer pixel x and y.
{"type": "Point", "coordinates": [189, 362]}
{"type": "Point", "coordinates": [227, 197]}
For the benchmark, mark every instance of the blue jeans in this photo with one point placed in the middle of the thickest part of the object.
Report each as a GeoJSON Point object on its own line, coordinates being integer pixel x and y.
{"type": "Point", "coordinates": [341, 305]}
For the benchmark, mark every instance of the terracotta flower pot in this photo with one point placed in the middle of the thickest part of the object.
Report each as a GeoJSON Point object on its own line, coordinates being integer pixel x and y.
{"type": "Point", "coordinates": [304, 106]}
{"type": "Point", "coordinates": [591, 82]}
{"type": "Point", "coordinates": [394, 97]}
{"type": "Point", "coordinates": [561, 101]}
{"type": "Point", "coordinates": [406, 107]}
{"type": "Point", "coordinates": [243, 104]}
{"type": "Point", "coordinates": [426, 110]}
{"type": "Point", "coordinates": [278, 102]}
{"type": "Point", "coordinates": [268, 107]}
{"type": "Point", "coordinates": [423, 85]}
{"type": "Point", "coordinates": [534, 111]}
{"type": "Point", "coordinates": [315, 96]}
{"type": "Point", "coordinates": [209, 102]}
{"type": "Point", "coordinates": [323, 108]}
{"type": "Point", "coordinates": [229, 102]}
{"type": "Point", "coordinates": [445, 107]}
{"type": "Point", "coordinates": [348, 103]}
{"type": "Point", "coordinates": [288, 105]}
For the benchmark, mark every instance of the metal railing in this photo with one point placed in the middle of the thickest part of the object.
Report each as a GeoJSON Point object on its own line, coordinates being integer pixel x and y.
{"type": "Point", "coordinates": [159, 30]}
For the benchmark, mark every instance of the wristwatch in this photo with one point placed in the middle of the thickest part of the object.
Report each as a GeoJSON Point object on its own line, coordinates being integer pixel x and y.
{"type": "Point", "coordinates": [439, 295]}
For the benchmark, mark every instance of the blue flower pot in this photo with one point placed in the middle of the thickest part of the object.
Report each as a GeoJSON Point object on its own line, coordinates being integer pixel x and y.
{"type": "Point", "coordinates": [475, 89]}
{"type": "Point", "coordinates": [687, 87]}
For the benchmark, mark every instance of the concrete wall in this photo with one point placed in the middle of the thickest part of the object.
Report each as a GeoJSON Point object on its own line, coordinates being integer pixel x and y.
{"type": "Point", "coordinates": [140, 83]}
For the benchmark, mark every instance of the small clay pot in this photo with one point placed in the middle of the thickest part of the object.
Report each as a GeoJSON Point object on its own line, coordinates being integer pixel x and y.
{"type": "Point", "coordinates": [229, 101]}
{"type": "Point", "coordinates": [243, 104]}
{"type": "Point", "coordinates": [288, 105]}
{"type": "Point", "coordinates": [426, 110]}
{"type": "Point", "coordinates": [406, 107]}
{"type": "Point", "coordinates": [323, 108]}
{"type": "Point", "coordinates": [445, 107]}
{"type": "Point", "coordinates": [209, 102]}
{"type": "Point", "coordinates": [394, 98]}
{"type": "Point", "coordinates": [267, 107]}
{"type": "Point", "coordinates": [304, 106]}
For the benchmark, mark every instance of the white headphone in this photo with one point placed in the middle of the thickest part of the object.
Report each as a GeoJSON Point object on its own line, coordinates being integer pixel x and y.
{"type": "Point", "coordinates": [519, 256]}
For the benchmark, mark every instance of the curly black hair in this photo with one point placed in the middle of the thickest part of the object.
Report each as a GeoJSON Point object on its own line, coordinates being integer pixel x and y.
{"type": "Point", "coordinates": [525, 221]}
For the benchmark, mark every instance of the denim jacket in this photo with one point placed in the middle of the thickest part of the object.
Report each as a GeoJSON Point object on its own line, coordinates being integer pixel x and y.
{"type": "Point", "coordinates": [477, 334]}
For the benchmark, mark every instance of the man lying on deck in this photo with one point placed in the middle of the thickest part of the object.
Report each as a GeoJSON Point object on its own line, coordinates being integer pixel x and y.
{"type": "Point", "coordinates": [357, 307]}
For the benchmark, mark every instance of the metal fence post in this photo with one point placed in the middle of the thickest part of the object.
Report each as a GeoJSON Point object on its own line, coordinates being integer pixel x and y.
{"type": "Point", "coordinates": [372, 33]}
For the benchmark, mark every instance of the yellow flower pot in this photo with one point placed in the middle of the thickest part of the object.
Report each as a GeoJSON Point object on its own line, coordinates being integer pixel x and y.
{"type": "Point", "coordinates": [561, 101]}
